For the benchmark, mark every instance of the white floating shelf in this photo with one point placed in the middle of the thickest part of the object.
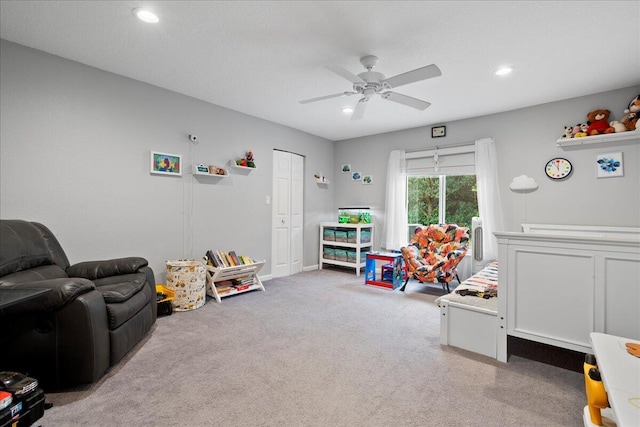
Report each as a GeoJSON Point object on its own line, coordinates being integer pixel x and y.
{"type": "Point", "coordinates": [202, 173]}
{"type": "Point", "coordinates": [242, 167]}
{"type": "Point", "coordinates": [595, 139]}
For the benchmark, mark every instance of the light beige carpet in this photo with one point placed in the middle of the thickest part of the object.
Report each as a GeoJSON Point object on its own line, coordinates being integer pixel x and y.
{"type": "Point", "coordinates": [318, 349]}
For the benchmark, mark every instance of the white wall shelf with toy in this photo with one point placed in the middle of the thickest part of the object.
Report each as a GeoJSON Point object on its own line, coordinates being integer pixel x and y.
{"type": "Point", "coordinates": [603, 138]}
{"type": "Point", "coordinates": [601, 129]}
{"type": "Point", "coordinates": [211, 170]}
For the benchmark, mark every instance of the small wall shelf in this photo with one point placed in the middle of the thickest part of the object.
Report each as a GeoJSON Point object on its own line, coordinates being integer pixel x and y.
{"type": "Point", "coordinates": [596, 139]}
{"type": "Point", "coordinates": [202, 173]}
{"type": "Point", "coordinates": [242, 167]}
{"type": "Point", "coordinates": [320, 181]}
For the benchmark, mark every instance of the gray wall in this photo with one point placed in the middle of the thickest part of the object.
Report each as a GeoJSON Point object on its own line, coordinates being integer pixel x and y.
{"type": "Point", "coordinates": [525, 141]}
{"type": "Point", "coordinates": [74, 152]}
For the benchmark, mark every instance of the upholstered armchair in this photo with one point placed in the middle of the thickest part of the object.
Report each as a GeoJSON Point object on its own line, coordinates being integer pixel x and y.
{"type": "Point", "coordinates": [434, 252]}
{"type": "Point", "coordinates": [93, 314]}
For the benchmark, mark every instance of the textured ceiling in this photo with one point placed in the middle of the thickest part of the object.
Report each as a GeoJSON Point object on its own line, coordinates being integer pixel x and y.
{"type": "Point", "coordinates": [262, 57]}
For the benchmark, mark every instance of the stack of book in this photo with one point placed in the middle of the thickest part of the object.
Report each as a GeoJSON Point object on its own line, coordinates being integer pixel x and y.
{"type": "Point", "coordinates": [221, 259]}
{"type": "Point", "coordinates": [239, 284]}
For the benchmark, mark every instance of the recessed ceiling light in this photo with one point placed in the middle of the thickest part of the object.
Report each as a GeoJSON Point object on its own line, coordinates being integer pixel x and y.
{"type": "Point", "coordinates": [347, 110]}
{"type": "Point", "coordinates": [146, 16]}
{"type": "Point", "coordinates": [503, 71]}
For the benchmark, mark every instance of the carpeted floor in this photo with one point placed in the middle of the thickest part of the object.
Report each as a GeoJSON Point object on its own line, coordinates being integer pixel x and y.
{"type": "Point", "coordinates": [318, 349]}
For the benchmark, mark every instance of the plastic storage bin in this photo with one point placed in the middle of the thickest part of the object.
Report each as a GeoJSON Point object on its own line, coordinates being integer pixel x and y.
{"type": "Point", "coordinates": [329, 253]}
{"type": "Point", "coordinates": [341, 236]}
{"type": "Point", "coordinates": [341, 255]}
{"type": "Point", "coordinates": [329, 234]}
{"type": "Point", "coordinates": [365, 236]}
{"type": "Point", "coordinates": [352, 236]}
{"type": "Point", "coordinates": [351, 255]}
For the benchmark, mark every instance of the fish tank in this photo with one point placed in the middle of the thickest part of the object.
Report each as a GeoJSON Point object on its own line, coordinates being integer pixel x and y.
{"type": "Point", "coordinates": [354, 215]}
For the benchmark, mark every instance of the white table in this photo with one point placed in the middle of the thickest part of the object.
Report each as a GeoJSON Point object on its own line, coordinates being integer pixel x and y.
{"type": "Point", "coordinates": [620, 374]}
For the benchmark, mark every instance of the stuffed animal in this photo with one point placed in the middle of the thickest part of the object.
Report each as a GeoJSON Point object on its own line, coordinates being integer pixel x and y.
{"type": "Point", "coordinates": [630, 121]}
{"type": "Point", "coordinates": [599, 122]}
{"type": "Point", "coordinates": [618, 126]}
{"type": "Point", "coordinates": [631, 114]}
{"type": "Point", "coordinates": [583, 131]}
{"type": "Point", "coordinates": [575, 130]}
{"type": "Point", "coordinates": [567, 133]}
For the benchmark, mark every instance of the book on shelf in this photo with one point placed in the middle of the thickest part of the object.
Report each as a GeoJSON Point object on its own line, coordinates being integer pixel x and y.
{"type": "Point", "coordinates": [221, 259]}
{"type": "Point", "coordinates": [211, 259]}
{"type": "Point", "coordinates": [234, 257]}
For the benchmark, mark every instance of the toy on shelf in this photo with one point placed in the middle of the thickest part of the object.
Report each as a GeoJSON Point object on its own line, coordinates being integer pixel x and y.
{"type": "Point", "coordinates": [631, 114]}
{"type": "Point", "coordinates": [599, 122]}
{"type": "Point", "coordinates": [247, 160]}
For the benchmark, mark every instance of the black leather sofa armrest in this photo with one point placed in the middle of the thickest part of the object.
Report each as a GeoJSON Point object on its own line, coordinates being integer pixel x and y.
{"type": "Point", "coordinates": [114, 267]}
{"type": "Point", "coordinates": [62, 292]}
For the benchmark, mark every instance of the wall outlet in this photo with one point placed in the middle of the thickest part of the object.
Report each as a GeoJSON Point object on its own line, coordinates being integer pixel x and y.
{"type": "Point", "coordinates": [268, 200]}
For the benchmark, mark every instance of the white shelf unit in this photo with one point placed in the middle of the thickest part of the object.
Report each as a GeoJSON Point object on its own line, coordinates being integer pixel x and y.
{"type": "Point", "coordinates": [195, 171]}
{"type": "Point", "coordinates": [595, 139]}
{"type": "Point", "coordinates": [215, 274]}
{"type": "Point", "coordinates": [359, 246]}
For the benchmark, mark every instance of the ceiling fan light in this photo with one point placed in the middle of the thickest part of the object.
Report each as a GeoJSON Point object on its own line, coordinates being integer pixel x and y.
{"type": "Point", "coordinates": [146, 15]}
{"type": "Point", "coordinates": [347, 110]}
{"type": "Point", "coordinates": [503, 71]}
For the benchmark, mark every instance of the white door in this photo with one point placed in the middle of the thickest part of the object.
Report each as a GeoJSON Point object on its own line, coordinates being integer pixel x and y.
{"type": "Point", "coordinates": [288, 190]}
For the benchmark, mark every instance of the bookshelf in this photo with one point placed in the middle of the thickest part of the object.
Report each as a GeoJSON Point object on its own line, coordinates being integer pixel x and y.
{"type": "Point", "coordinates": [220, 274]}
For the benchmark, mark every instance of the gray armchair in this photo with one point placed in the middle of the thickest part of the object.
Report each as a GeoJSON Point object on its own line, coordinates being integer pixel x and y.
{"type": "Point", "coordinates": [93, 315]}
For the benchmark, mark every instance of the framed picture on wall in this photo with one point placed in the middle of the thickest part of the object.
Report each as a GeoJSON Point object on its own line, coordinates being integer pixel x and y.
{"type": "Point", "coordinates": [166, 164]}
{"type": "Point", "coordinates": [367, 179]}
{"type": "Point", "coordinates": [346, 168]}
{"type": "Point", "coordinates": [609, 165]}
{"type": "Point", "coordinates": [438, 131]}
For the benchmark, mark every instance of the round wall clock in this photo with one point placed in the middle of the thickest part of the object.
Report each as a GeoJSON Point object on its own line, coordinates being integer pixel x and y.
{"type": "Point", "coordinates": [558, 168]}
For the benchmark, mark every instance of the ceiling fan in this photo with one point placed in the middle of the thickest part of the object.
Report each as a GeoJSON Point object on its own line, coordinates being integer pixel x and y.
{"type": "Point", "coordinates": [369, 83]}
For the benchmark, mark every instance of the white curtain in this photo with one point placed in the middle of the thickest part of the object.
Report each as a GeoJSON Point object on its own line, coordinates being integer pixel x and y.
{"type": "Point", "coordinates": [488, 195]}
{"type": "Point", "coordinates": [394, 231]}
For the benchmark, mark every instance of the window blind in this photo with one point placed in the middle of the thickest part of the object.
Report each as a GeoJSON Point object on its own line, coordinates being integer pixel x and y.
{"type": "Point", "coordinates": [458, 160]}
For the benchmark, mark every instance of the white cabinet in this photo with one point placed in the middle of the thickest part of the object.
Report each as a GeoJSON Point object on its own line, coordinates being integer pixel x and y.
{"type": "Point", "coordinates": [247, 275]}
{"type": "Point", "coordinates": [345, 244]}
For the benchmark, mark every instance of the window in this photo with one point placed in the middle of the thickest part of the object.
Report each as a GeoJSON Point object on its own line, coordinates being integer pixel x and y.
{"type": "Point", "coordinates": [442, 199]}
{"type": "Point", "coordinates": [441, 186]}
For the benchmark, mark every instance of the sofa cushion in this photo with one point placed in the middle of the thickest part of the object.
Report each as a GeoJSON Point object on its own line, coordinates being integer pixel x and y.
{"type": "Point", "coordinates": [44, 272]}
{"type": "Point", "coordinates": [62, 292]}
{"type": "Point", "coordinates": [99, 269]}
{"type": "Point", "coordinates": [27, 245]}
{"type": "Point", "coordinates": [121, 312]}
{"type": "Point", "coordinates": [118, 289]}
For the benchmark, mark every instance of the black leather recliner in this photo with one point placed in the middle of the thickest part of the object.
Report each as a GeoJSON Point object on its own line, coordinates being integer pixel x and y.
{"type": "Point", "coordinates": [95, 313]}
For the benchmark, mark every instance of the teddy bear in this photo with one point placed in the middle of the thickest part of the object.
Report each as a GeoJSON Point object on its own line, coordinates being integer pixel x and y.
{"type": "Point", "coordinates": [598, 121]}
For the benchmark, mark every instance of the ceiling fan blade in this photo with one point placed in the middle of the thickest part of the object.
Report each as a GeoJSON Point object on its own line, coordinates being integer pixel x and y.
{"type": "Point", "coordinates": [416, 75]}
{"type": "Point", "coordinates": [361, 106]}
{"type": "Point", "coordinates": [346, 74]}
{"type": "Point", "coordinates": [322, 98]}
{"type": "Point", "coordinates": [406, 100]}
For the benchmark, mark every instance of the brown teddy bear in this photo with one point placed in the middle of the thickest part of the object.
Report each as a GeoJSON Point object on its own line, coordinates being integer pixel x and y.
{"type": "Point", "coordinates": [599, 122]}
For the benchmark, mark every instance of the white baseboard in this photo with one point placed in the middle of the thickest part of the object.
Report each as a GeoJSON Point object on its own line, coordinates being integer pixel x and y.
{"type": "Point", "coordinates": [266, 277]}
{"type": "Point", "coordinates": [310, 268]}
